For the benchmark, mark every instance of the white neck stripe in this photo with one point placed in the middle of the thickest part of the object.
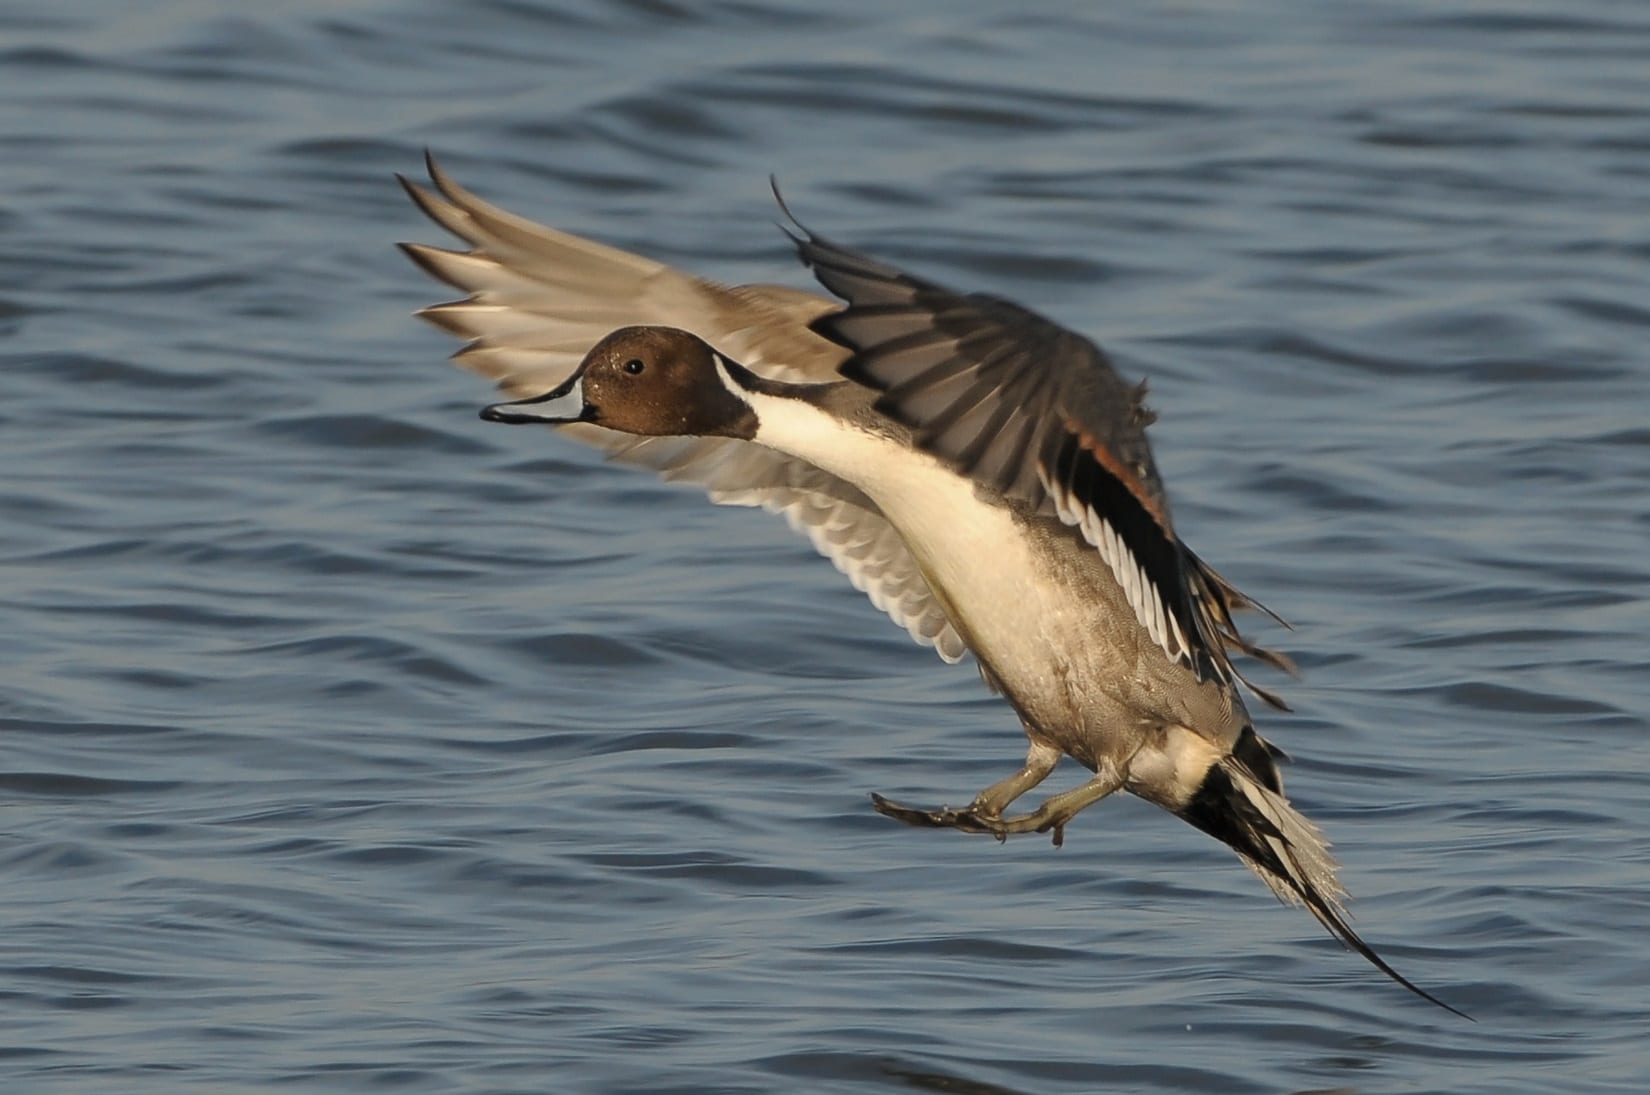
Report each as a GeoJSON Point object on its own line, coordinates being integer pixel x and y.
{"type": "Point", "coordinates": [736, 389]}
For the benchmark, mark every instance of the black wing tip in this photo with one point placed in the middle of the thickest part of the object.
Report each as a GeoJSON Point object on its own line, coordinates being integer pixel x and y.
{"type": "Point", "coordinates": [429, 166]}
{"type": "Point", "coordinates": [443, 182]}
{"type": "Point", "coordinates": [794, 229]}
{"type": "Point", "coordinates": [438, 174]}
{"type": "Point", "coordinates": [421, 256]}
{"type": "Point", "coordinates": [820, 253]}
{"type": "Point", "coordinates": [422, 197]}
{"type": "Point", "coordinates": [414, 190]}
{"type": "Point", "coordinates": [784, 206]}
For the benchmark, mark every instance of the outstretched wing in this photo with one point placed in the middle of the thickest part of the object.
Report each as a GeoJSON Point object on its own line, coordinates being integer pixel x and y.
{"type": "Point", "coordinates": [1031, 409]}
{"type": "Point", "coordinates": [538, 299]}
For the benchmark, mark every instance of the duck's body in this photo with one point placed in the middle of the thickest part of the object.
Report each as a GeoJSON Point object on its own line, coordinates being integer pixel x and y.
{"type": "Point", "coordinates": [982, 474]}
{"type": "Point", "coordinates": [1032, 600]}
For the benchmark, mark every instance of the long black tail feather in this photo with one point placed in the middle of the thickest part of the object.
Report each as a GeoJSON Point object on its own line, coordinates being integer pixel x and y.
{"type": "Point", "coordinates": [1290, 855]}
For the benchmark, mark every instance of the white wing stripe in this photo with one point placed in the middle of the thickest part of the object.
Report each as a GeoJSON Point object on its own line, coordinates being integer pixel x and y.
{"type": "Point", "coordinates": [1179, 638]}
{"type": "Point", "coordinates": [1138, 589]}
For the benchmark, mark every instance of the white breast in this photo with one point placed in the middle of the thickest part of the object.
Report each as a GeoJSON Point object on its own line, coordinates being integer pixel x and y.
{"type": "Point", "coordinates": [976, 556]}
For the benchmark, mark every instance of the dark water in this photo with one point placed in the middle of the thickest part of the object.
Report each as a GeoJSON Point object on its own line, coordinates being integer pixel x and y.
{"type": "Point", "coordinates": [351, 743]}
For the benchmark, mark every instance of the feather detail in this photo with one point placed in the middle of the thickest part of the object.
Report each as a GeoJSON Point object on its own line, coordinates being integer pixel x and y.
{"type": "Point", "coordinates": [1037, 413]}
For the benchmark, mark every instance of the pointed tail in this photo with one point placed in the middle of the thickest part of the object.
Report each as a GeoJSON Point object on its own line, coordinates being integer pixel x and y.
{"type": "Point", "coordinates": [1248, 813]}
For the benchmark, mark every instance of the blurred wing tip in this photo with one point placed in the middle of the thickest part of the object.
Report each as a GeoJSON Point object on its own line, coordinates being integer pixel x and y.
{"type": "Point", "coordinates": [797, 241]}
{"type": "Point", "coordinates": [798, 233]}
{"type": "Point", "coordinates": [438, 175]}
{"type": "Point", "coordinates": [423, 256]}
{"type": "Point", "coordinates": [785, 206]}
{"type": "Point", "coordinates": [814, 250]}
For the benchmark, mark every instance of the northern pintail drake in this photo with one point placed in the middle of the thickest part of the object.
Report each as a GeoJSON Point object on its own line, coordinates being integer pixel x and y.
{"type": "Point", "coordinates": [980, 472]}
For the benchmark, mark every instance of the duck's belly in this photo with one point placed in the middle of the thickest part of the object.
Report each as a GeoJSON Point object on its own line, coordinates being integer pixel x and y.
{"type": "Point", "coordinates": [1039, 609]}
{"type": "Point", "coordinates": [1041, 612]}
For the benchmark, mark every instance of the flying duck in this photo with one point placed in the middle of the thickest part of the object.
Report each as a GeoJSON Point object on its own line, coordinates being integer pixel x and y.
{"type": "Point", "coordinates": [980, 472]}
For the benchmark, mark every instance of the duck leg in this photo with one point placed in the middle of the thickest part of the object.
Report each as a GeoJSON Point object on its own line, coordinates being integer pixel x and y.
{"type": "Point", "coordinates": [980, 816]}
{"type": "Point", "coordinates": [1053, 814]}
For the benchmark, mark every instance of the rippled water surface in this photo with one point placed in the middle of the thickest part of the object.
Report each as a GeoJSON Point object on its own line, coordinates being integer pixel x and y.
{"type": "Point", "coordinates": [350, 742]}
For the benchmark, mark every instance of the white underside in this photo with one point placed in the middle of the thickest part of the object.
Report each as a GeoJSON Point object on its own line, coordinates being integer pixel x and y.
{"type": "Point", "coordinates": [1061, 639]}
{"type": "Point", "coordinates": [976, 558]}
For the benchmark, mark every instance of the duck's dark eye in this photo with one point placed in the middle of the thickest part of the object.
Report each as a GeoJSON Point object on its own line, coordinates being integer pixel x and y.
{"type": "Point", "coordinates": [634, 366]}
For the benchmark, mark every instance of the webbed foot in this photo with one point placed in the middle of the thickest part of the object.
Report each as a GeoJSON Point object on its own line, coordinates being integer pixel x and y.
{"type": "Point", "coordinates": [1051, 817]}
{"type": "Point", "coordinates": [968, 820]}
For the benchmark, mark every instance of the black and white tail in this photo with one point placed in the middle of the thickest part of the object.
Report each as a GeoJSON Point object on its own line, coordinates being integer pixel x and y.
{"type": "Point", "coordinates": [1241, 804]}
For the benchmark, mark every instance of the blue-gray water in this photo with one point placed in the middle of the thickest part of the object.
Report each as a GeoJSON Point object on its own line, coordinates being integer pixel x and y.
{"type": "Point", "coordinates": [352, 743]}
